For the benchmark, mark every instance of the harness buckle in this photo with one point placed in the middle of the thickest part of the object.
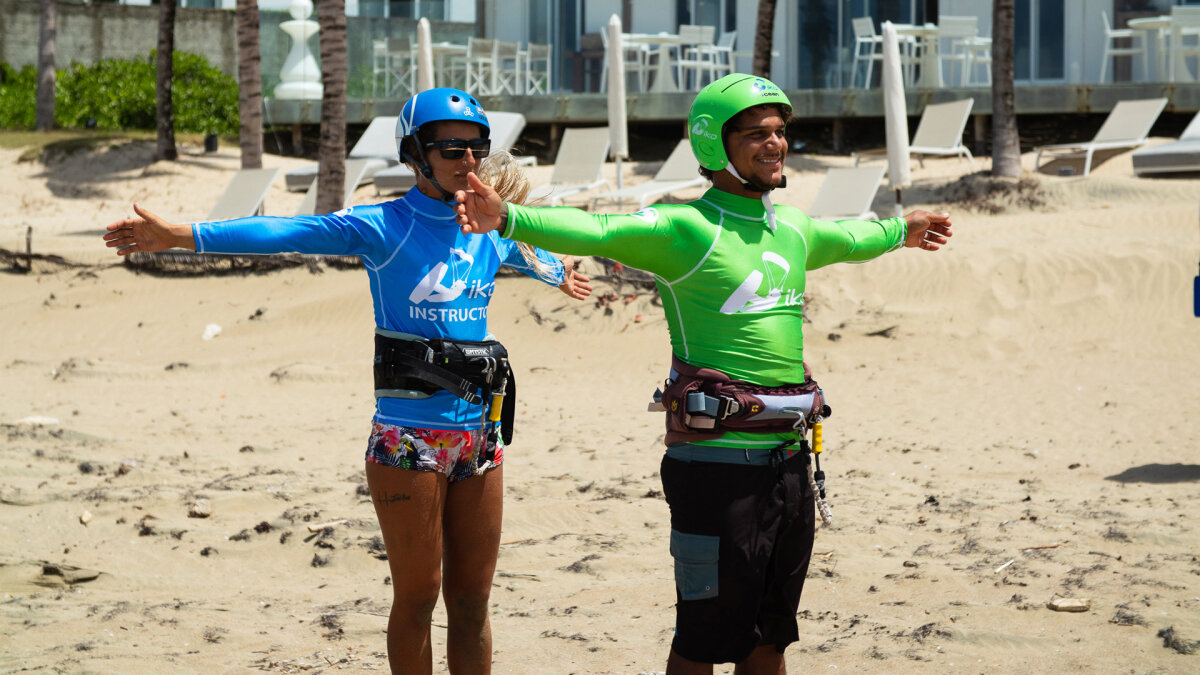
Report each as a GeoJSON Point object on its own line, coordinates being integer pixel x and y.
{"type": "Point", "coordinates": [716, 407]}
{"type": "Point", "coordinates": [429, 353]}
{"type": "Point", "coordinates": [656, 403]}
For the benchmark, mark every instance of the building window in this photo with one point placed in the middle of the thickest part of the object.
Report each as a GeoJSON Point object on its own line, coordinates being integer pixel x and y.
{"type": "Point", "coordinates": [1039, 41]}
{"type": "Point", "coordinates": [434, 10]}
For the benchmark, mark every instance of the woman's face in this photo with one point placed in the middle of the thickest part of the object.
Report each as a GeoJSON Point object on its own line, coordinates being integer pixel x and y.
{"type": "Point", "coordinates": [451, 174]}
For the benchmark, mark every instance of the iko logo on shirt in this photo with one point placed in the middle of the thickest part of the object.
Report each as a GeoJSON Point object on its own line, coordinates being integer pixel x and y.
{"type": "Point", "coordinates": [746, 298]}
{"type": "Point", "coordinates": [434, 289]}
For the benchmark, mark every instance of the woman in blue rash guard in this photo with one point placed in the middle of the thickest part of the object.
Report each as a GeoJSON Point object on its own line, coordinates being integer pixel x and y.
{"type": "Point", "coordinates": [434, 457]}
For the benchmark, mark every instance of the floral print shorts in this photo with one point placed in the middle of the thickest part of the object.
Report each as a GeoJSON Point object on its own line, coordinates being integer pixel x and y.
{"type": "Point", "coordinates": [455, 454]}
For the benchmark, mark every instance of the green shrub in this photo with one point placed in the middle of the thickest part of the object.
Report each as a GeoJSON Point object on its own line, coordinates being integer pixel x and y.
{"type": "Point", "coordinates": [18, 94]}
{"type": "Point", "coordinates": [119, 94]}
{"type": "Point", "coordinates": [115, 93]}
{"type": "Point", "coordinates": [206, 100]}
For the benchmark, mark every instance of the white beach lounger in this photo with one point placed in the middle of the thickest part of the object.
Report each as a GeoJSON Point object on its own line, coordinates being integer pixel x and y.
{"type": "Point", "coordinates": [578, 165]}
{"type": "Point", "coordinates": [939, 132]}
{"type": "Point", "coordinates": [679, 172]}
{"type": "Point", "coordinates": [847, 193]}
{"type": "Point", "coordinates": [244, 195]}
{"type": "Point", "coordinates": [1127, 126]}
{"type": "Point", "coordinates": [1181, 155]}
{"type": "Point", "coordinates": [377, 146]}
{"type": "Point", "coordinates": [355, 168]}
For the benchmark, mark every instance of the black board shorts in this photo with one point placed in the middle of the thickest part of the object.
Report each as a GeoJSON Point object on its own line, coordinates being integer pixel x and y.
{"type": "Point", "coordinates": [741, 537]}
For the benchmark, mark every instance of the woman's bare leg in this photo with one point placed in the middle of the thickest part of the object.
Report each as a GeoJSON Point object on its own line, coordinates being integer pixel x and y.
{"type": "Point", "coordinates": [409, 505]}
{"type": "Point", "coordinates": [472, 541]}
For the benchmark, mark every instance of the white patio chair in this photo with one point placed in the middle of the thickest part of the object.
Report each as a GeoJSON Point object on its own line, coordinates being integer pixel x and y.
{"type": "Point", "coordinates": [1185, 23]}
{"type": "Point", "coordinates": [476, 69]}
{"type": "Point", "coordinates": [637, 63]}
{"type": "Point", "coordinates": [679, 172]}
{"type": "Point", "coordinates": [396, 60]}
{"type": "Point", "coordinates": [1127, 126]}
{"type": "Point", "coordinates": [506, 75]}
{"type": "Point", "coordinates": [721, 55]}
{"type": "Point", "coordinates": [691, 53]}
{"type": "Point", "coordinates": [1137, 46]}
{"type": "Point", "coordinates": [537, 69]}
{"type": "Point", "coordinates": [868, 46]}
{"type": "Point", "coordinates": [956, 34]}
{"type": "Point", "coordinates": [379, 65]}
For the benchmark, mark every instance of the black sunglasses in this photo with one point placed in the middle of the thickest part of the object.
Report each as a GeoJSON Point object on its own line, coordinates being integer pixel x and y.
{"type": "Point", "coordinates": [455, 148]}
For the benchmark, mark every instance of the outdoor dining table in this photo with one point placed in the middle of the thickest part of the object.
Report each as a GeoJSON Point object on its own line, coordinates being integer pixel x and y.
{"type": "Point", "coordinates": [443, 51]}
{"type": "Point", "coordinates": [925, 38]}
{"type": "Point", "coordinates": [1176, 69]}
{"type": "Point", "coordinates": [664, 79]}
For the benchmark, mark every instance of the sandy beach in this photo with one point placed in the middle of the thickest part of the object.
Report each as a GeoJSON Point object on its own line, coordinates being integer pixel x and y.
{"type": "Point", "coordinates": [1015, 423]}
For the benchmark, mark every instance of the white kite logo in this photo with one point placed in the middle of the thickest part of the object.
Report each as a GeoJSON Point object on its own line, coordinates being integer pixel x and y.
{"type": "Point", "coordinates": [746, 298]}
{"type": "Point", "coordinates": [431, 288]}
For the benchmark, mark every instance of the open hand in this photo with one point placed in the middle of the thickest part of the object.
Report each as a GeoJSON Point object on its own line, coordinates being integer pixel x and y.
{"type": "Point", "coordinates": [928, 231]}
{"type": "Point", "coordinates": [479, 208]}
{"type": "Point", "coordinates": [147, 233]}
{"type": "Point", "coordinates": [575, 284]}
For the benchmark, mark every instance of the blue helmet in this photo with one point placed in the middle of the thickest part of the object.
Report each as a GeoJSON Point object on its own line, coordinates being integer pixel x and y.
{"type": "Point", "coordinates": [436, 105]}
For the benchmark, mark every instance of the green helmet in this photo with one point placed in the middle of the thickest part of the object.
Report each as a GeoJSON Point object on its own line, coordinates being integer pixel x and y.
{"type": "Point", "coordinates": [718, 103]}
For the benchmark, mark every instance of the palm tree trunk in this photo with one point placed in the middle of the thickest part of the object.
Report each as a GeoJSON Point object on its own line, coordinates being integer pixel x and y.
{"type": "Point", "coordinates": [250, 105]}
{"type": "Point", "coordinates": [1006, 144]}
{"type": "Point", "coordinates": [165, 110]}
{"type": "Point", "coordinates": [44, 120]}
{"type": "Point", "coordinates": [764, 33]}
{"type": "Point", "coordinates": [331, 153]}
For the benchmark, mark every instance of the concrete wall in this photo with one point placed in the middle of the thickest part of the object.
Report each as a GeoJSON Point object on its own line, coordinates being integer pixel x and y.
{"type": "Point", "coordinates": [90, 32]}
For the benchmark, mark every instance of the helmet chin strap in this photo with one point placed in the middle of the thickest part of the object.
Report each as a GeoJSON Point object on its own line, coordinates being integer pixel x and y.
{"type": "Point", "coordinates": [763, 189]}
{"type": "Point", "coordinates": [427, 171]}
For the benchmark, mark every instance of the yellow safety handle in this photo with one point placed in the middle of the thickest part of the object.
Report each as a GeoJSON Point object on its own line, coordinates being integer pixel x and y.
{"type": "Point", "coordinates": [818, 442]}
{"type": "Point", "coordinates": [494, 411]}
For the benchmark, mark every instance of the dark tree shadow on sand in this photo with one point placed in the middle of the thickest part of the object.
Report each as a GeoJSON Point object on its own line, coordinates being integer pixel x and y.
{"type": "Point", "coordinates": [1158, 473]}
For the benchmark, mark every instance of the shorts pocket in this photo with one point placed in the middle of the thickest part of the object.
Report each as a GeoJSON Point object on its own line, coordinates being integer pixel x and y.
{"type": "Point", "coordinates": [695, 564]}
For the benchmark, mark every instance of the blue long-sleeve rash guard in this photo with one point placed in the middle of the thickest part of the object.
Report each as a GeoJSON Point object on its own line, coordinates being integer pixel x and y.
{"type": "Point", "coordinates": [427, 278]}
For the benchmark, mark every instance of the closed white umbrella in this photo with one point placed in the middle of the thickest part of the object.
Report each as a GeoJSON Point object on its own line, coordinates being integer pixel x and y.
{"type": "Point", "coordinates": [895, 116]}
{"type": "Point", "coordinates": [424, 56]}
{"type": "Point", "coordinates": [618, 144]}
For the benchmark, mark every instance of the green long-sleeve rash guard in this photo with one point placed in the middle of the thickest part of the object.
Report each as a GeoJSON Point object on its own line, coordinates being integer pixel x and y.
{"type": "Point", "coordinates": [732, 289]}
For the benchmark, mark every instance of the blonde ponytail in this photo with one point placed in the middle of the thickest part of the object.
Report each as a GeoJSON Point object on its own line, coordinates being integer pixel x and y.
{"type": "Point", "coordinates": [500, 170]}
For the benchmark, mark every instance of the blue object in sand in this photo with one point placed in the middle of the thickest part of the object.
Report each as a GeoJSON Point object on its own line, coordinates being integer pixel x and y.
{"type": "Point", "coordinates": [1196, 297]}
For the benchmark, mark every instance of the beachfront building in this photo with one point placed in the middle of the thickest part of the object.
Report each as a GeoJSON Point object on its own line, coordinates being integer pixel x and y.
{"type": "Point", "coordinates": [825, 52]}
{"type": "Point", "coordinates": [818, 44]}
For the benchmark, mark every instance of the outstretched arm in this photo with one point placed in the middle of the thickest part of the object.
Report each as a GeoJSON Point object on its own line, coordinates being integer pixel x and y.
{"type": "Point", "coordinates": [926, 230]}
{"type": "Point", "coordinates": [575, 284]}
{"type": "Point", "coordinates": [147, 233]}
{"type": "Point", "coordinates": [480, 210]}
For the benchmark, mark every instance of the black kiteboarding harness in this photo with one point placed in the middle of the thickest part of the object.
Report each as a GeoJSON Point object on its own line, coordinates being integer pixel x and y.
{"type": "Point", "coordinates": [407, 366]}
{"type": "Point", "coordinates": [704, 403]}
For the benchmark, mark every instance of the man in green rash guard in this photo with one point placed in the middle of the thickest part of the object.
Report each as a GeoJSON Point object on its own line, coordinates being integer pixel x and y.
{"type": "Point", "coordinates": [730, 267]}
